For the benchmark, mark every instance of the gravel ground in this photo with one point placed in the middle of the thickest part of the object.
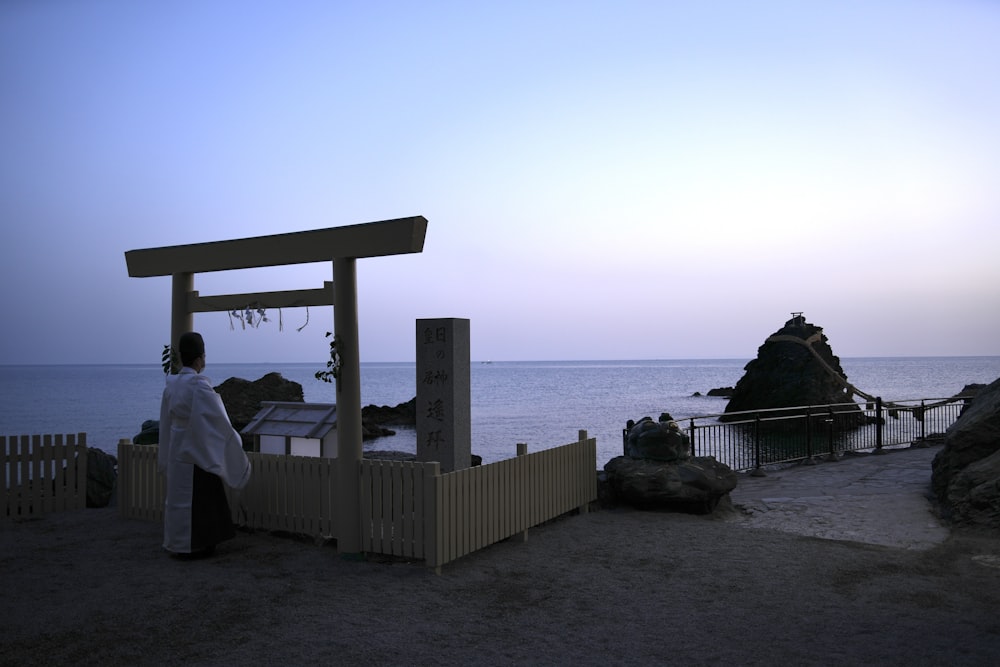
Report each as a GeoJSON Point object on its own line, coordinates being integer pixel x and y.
{"type": "Point", "coordinates": [609, 587]}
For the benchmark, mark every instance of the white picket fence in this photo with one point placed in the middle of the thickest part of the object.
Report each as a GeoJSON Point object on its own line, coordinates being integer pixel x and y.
{"type": "Point", "coordinates": [408, 509]}
{"type": "Point", "coordinates": [43, 473]}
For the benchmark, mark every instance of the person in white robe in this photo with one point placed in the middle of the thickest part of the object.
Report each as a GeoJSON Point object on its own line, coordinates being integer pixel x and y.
{"type": "Point", "coordinates": [199, 451]}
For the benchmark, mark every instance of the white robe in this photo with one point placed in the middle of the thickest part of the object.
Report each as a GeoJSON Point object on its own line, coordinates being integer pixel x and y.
{"type": "Point", "coordinates": [194, 431]}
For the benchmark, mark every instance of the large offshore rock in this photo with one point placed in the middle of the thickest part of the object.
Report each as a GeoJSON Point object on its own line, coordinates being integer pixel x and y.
{"type": "Point", "coordinates": [965, 474]}
{"type": "Point", "coordinates": [404, 414]}
{"type": "Point", "coordinates": [242, 398]}
{"type": "Point", "coordinates": [794, 367]}
{"type": "Point", "coordinates": [693, 485]}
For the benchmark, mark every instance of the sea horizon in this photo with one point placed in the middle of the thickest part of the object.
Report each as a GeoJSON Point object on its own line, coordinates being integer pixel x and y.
{"type": "Point", "coordinates": [321, 362]}
{"type": "Point", "coordinates": [543, 403]}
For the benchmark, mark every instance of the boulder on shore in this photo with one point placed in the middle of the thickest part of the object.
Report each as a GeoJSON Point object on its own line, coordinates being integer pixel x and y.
{"type": "Point", "coordinates": [658, 470]}
{"type": "Point", "coordinates": [695, 485]}
{"type": "Point", "coordinates": [965, 474]}
{"type": "Point", "coordinates": [657, 441]}
{"type": "Point", "coordinates": [102, 477]}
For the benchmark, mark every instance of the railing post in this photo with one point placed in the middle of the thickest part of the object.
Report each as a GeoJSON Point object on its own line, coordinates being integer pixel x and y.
{"type": "Point", "coordinates": [923, 420]}
{"type": "Point", "coordinates": [692, 437]}
{"type": "Point", "coordinates": [757, 470]}
{"type": "Point", "coordinates": [878, 424]}
{"type": "Point", "coordinates": [809, 438]}
{"type": "Point", "coordinates": [829, 428]}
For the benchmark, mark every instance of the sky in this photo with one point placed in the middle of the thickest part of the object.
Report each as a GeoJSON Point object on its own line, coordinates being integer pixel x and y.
{"type": "Point", "coordinates": [601, 180]}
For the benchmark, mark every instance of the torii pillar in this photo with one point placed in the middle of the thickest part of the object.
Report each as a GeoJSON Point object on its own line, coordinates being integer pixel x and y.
{"type": "Point", "coordinates": [341, 245]}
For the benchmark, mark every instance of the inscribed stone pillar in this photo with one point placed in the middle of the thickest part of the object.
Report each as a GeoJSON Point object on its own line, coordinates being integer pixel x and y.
{"type": "Point", "coordinates": [444, 401]}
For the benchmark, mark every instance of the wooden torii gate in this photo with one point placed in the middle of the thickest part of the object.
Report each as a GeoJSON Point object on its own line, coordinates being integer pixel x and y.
{"type": "Point", "coordinates": [341, 245]}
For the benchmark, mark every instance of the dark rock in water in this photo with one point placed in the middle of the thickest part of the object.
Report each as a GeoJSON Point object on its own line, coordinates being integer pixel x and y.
{"type": "Point", "coordinates": [373, 416]}
{"type": "Point", "coordinates": [149, 433]}
{"type": "Point", "coordinates": [724, 392]}
{"type": "Point", "coordinates": [965, 474]}
{"type": "Point", "coordinates": [404, 414]}
{"type": "Point", "coordinates": [657, 441]}
{"type": "Point", "coordinates": [102, 476]}
{"type": "Point", "coordinates": [794, 367]}
{"type": "Point", "coordinates": [243, 398]}
{"type": "Point", "coordinates": [695, 485]}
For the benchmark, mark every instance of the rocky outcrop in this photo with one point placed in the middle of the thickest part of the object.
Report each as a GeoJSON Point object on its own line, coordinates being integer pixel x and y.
{"type": "Point", "coordinates": [724, 392]}
{"type": "Point", "coordinates": [965, 474]}
{"type": "Point", "coordinates": [658, 471]}
{"type": "Point", "coordinates": [794, 367]}
{"type": "Point", "coordinates": [243, 398]}
{"type": "Point", "coordinates": [404, 414]}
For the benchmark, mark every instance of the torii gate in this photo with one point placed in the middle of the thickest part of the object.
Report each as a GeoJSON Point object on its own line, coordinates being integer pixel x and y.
{"type": "Point", "coordinates": [341, 245]}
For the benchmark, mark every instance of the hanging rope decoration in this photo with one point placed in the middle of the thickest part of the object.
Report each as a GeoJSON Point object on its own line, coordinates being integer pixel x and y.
{"type": "Point", "coordinates": [252, 315]}
{"type": "Point", "coordinates": [893, 408]}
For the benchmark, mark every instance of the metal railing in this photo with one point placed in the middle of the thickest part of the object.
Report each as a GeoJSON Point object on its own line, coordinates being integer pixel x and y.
{"type": "Point", "coordinates": [752, 440]}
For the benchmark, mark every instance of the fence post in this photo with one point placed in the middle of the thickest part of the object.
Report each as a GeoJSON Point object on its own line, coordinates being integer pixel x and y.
{"type": "Point", "coordinates": [526, 497]}
{"type": "Point", "coordinates": [433, 521]}
{"type": "Point", "coordinates": [757, 470]}
{"type": "Point", "coordinates": [581, 436]}
{"type": "Point", "coordinates": [878, 424]}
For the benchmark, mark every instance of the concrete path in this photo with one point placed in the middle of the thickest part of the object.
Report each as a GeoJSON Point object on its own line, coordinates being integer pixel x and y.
{"type": "Point", "coordinates": [872, 498]}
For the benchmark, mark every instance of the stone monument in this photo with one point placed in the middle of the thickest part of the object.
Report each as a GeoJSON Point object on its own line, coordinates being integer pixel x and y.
{"type": "Point", "coordinates": [444, 403]}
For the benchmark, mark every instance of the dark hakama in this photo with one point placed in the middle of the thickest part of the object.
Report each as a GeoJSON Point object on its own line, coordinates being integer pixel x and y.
{"type": "Point", "coordinates": [211, 520]}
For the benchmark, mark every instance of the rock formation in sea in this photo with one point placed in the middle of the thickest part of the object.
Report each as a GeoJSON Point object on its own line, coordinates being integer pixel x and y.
{"type": "Point", "coordinates": [243, 399]}
{"type": "Point", "coordinates": [794, 367]}
{"type": "Point", "coordinates": [965, 474]}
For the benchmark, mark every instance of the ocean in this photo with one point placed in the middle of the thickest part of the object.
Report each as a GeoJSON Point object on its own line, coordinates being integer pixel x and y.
{"type": "Point", "coordinates": [541, 403]}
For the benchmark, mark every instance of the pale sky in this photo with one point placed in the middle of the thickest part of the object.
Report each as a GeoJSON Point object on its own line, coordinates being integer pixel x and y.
{"type": "Point", "coordinates": [602, 180]}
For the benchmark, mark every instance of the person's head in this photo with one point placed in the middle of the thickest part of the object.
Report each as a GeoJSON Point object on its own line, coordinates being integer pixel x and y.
{"type": "Point", "coordinates": [192, 349]}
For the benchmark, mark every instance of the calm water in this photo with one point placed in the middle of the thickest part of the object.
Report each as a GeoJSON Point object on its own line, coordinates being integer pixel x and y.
{"type": "Point", "coordinates": [543, 404]}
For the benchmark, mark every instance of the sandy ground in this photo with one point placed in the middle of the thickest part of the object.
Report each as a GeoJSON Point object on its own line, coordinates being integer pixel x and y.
{"type": "Point", "coordinates": [609, 587]}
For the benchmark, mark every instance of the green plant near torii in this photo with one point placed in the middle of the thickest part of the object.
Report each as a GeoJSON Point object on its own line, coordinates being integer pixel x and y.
{"type": "Point", "coordinates": [332, 371]}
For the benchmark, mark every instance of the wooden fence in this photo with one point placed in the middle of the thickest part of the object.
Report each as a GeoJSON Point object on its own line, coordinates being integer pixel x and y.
{"type": "Point", "coordinates": [43, 473]}
{"type": "Point", "coordinates": [408, 509]}
{"type": "Point", "coordinates": [288, 493]}
{"type": "Point", "coordinates": [411, 510]}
